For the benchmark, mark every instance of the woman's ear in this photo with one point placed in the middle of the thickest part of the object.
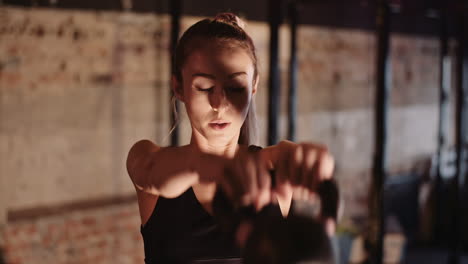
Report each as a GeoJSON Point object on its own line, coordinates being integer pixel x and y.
{"type": "Point", "coordinates": [177, 88]}
{"type": "Point", "coordinates": [255, 84]}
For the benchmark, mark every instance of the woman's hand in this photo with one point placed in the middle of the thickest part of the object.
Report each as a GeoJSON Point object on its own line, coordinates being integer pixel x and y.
{"type": "Point", "coordinates": [247, 181]}
{"type": "Point", "coordinates": [300, 168]}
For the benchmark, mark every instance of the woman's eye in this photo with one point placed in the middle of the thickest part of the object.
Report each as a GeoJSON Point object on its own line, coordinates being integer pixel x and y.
{"type": "Point", "coordinates": [205, 89]}
{"type": "Point", "coordinates": [236, 89]}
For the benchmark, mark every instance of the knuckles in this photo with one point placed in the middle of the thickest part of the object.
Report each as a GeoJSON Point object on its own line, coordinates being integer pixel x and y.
{"type": "Point", "coordinates": [302, 151]}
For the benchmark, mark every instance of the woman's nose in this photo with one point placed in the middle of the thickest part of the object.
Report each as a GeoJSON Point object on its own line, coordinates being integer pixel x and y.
{"type": "Point", "coordinates": [218, 99]}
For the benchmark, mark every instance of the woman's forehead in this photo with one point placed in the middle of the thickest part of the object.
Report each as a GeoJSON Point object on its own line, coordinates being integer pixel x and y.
{"type": "Point", "coordinates": [218, 60]}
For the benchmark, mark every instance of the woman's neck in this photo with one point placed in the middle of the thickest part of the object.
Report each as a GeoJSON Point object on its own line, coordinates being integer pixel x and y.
{"type": "Point", "coordinates": [228, 149]}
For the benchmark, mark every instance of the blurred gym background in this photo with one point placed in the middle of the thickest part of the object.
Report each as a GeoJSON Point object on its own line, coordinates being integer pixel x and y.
{"type": "Point", "coordinates": [383, 83]}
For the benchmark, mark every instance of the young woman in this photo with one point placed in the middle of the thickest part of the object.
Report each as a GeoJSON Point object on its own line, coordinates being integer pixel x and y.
{"type": "Point", "coordinates": [216, 77]}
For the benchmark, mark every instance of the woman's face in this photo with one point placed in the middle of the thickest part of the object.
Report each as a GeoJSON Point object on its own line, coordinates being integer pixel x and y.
{"type": "Point", "coordinates": [217, 89]}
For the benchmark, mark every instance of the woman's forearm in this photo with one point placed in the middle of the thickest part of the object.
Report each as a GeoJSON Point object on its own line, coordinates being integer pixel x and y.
{"type": "Point", "coordinates": [170, 171]}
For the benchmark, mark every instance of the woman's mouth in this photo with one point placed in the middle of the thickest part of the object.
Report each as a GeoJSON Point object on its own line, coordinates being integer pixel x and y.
{"type": "Point", "coordinates": [220, 125]}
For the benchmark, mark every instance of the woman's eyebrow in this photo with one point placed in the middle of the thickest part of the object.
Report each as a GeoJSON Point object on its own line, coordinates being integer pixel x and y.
{"type": "Point", "coordinates": [206, 75]}
{"type": "Point", "coordinates": [210, 76]}
{"type": "Point", "coordinates": [236, 74]}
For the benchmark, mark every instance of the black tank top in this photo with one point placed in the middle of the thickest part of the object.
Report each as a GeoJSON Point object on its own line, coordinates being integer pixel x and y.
{"type": "Point", "coordinates": [180, 230]}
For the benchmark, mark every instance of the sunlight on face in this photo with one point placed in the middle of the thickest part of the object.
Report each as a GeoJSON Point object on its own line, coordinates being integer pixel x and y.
{"type": "Point", "coordinates": [218, 84]}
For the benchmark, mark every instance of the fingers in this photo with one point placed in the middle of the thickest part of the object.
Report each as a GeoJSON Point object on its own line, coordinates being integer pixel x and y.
{"type": "Point", "coordinates": [298, 168]}
{"type": "Point", "coordinates": [263, 184]}
{"type": "Point", "coordinates": [309, 168]}
{"type": "Point", "coordinates": [235, 184]}
{"type": "Point", "coordinates": [282, 170]}
{"type": "Point", "coordinates": [248, 181]}
{"type": "Point", "coordinates": [304, 165]}
{"type": "Point", "coordinates": [295, 171]}
{"type": "Point", "coordinates": [326, 166]}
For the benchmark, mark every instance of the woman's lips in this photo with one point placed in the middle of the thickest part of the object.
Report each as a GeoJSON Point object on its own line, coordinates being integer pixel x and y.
{"type": "Point", "coordinates": [219, 125]}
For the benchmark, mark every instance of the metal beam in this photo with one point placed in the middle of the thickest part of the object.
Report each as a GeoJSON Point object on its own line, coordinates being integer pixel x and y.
{"type": "Point", "coordinates": [292, 96]}
{"type": "Point", "coordinates": [274, 72]}
{"type": "Point", "coordinates": [383, 86]}
{"type": "Point", "coordinates": [445, 72]}
{"type": "Point", "coordinates": [461, 115]}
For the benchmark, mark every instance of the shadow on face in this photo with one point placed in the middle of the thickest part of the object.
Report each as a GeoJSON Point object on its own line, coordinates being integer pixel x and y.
{"type": "Point", "coordinates": [217, 86]}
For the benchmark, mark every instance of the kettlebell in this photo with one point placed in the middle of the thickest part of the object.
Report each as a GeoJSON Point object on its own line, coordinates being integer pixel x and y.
{"type": "Point", "coordinates": [300, 238]}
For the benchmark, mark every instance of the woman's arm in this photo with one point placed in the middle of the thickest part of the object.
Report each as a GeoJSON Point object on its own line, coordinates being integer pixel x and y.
{"type": "Point", "coordinates": [169, 171]}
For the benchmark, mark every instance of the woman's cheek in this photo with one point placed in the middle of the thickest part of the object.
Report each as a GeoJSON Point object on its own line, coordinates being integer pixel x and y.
{"type": "Point", "coordinates": [199, 103]}
{"type": "Point", "coordinates": [240, 102]}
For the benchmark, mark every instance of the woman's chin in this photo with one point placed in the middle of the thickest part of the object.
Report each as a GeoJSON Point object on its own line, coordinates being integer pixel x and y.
{"type": "Point", "coordinates": [217, 138]}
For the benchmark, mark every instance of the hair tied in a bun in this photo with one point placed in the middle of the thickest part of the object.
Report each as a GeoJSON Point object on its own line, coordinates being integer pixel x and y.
{"type": "Point", "coordinates": [230, 18]}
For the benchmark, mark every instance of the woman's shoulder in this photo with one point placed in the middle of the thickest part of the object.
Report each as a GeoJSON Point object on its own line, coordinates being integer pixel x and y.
{"type": "Point", "coordinates": [139, 153]}
{"type": "Point", "coordinates": [143, 146]}
{"type": "Point", "coordinates": [146, 146]}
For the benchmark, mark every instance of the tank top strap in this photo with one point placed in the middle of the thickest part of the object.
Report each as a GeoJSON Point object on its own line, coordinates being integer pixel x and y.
{"type": "Point", "coordinates": [254, 148]}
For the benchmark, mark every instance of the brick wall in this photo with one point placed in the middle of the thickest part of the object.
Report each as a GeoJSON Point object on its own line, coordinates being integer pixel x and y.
{"type": "Point", "coordinates": [107, 234]}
